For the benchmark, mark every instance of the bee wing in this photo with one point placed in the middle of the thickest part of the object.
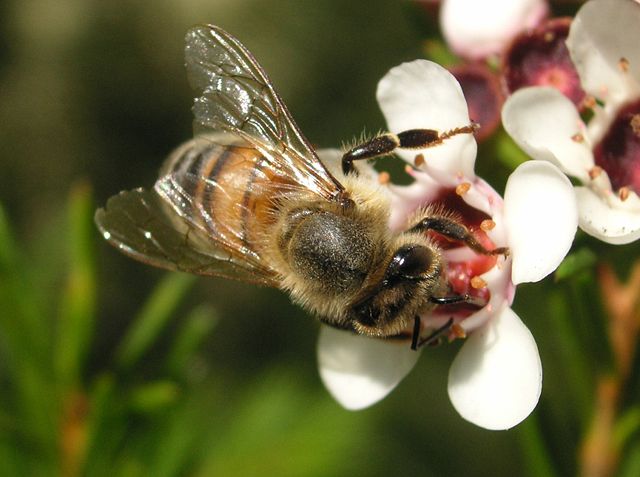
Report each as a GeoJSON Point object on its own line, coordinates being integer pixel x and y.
{"type": "Point", "coordinates": [235, 95]}
{"type": "Point", "coordinates": [140, 224]}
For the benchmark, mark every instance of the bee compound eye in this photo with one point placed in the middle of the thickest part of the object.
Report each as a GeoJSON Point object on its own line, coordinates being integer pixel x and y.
{"type": "Point", "coordinates": [410, 261]}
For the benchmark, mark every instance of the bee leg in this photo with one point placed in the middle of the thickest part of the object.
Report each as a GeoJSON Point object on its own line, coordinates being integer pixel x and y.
{"type": "Point", "coordinates": [435, 335]}
{"type": "Point", "coordinates": [416, 332]}
{"type": "Point", "coordinates": [456, 231]}
{"type": "Point", "coordinates": [388, 142]}
{"type": "Point", "coordinates": [454, 299]}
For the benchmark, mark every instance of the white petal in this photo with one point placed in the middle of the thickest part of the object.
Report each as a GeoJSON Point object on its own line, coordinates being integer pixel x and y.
{"type": "Point", "coordinates": [496, 379]}
{"type": "Point", "coordinates": [603, 32]}
{"type": "Point", "coordinates": [359, 371]}
{"type": "Point", "coordinates": [609, 224]}
{"type": "Point", "coordinates": [541, 218]}
{"type": "Point", "coordinates": [422, 94]}
{"type": "Point", "coordinates": [543, 122]}
{"type": "Point", "coordinates": [478, 29]}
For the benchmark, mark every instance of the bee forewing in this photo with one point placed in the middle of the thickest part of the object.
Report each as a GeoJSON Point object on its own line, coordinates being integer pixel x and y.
{"type": "Point", "coordinates": [235, 95]}
{"type": "Point", "coordinates": [212, 209]}
{"type": "Point", "coordinates": [140, 225]}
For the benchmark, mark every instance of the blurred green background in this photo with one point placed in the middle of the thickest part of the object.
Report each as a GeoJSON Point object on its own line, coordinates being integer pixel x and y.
{"type": "Point", "coordinates": [110, 367]}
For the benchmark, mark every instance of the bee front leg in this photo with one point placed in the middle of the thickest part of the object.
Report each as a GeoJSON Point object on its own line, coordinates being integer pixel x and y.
{"type": "Point", "coordinates": [416, 342]}
{"type": "Point", "coordinates": [456, 231]}
{"type": "Point", "coordinates": [389, 142]}
{"type": "Point", "coordinates": [455, 299]}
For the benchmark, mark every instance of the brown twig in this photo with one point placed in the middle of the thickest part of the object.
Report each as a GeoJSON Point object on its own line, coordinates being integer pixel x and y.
{"type": "Point", "coordinates": [74, 434]}
{"type": "Point", "coordinates": [599, 455]}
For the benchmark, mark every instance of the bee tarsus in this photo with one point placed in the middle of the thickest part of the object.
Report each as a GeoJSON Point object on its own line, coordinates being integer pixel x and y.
{"type": "Point", "coordinates": [385, 144]}
{"type": "Point", "coordinates": [417, 343]}
{"type": "Point", "coordinates": [454, 230]}
{"type": "Point", "coordinates": [456, 299]}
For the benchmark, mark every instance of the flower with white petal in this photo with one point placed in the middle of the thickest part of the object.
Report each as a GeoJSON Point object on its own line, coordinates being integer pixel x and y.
{"type": "Point", "coordinates": [477, 29]}
{"type": "Point", "coordinates": [496, 378]}
{"type": "Point", "coordinates": [604, 155]}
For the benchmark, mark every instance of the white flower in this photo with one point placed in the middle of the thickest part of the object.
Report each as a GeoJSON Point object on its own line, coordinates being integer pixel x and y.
{"type": "Point", "coordinates": [495, 380]}
{"type": "Point", "coordinates": [477, 29]}
{"type": "Point", "coordinates": [604, 155]}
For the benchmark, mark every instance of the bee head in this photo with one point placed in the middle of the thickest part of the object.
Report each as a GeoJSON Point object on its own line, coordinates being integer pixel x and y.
{"type": "Point", "coordinates": [410, 277]}
{"type": "Point", "coordinates": [409, 263]}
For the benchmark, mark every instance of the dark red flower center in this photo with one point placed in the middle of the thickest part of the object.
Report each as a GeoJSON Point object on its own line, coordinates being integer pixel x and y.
{"type": "Point", "coordinates": [482, 91]}
{"type": "Point", "coordinates": [618, 152]}
{"type": "Point", "coordinates": [463, 277]}
{"type": "Point", "coordinates": [541, 58]}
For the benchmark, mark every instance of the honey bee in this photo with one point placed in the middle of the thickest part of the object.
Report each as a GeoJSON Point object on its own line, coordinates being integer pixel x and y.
{"type": "Point", "coordinates": [248, 198]}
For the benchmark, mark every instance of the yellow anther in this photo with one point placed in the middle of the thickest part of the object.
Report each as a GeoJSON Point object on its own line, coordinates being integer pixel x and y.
{"type": "Point", "coordinates": [594, 172]}
{"type": "Point", "coordinates": [623, 64]}
{"type": "Point", "coordinates": [463, 188]}
{"type": "Point", "coordinates": [477, 282]}
{"type": "Point", "coordinates": [458, 331]}
{"type": "Point", "coordinates": [384, 178]}
{"type": "Point", "coordinates": [487, 225]}
{"type": "Point", "coordinates": [623, 193]}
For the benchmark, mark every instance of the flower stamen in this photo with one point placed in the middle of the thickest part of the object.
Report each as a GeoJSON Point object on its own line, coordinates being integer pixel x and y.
{"type": "Point", "coordinates": [589, 102]}
{"type": "Point", "coordinates": [487, 225]}
{"type": "Point", "coordinates": [419, 160]}
{"type": "Point", "coordinates": [458, 331]}
{"type": "Point", "coordinates": [595, 172]}
{"type": "Point", "coordinates": [577, 137]}
{"type": "Point", "coordinates": [623, 64]}
{"type": "Point", "coordinates": [410, 170]}
{"type": "Point", "coordinates": [384, 178]}
{"type": "Point", "coordinates": [478, 283]}
{"type": "Point", "coordinates": [462, 189]}
{"type": "Point", "coordinates": [635, 124]}
{"type": "Point", "coordinates": [623, 193]}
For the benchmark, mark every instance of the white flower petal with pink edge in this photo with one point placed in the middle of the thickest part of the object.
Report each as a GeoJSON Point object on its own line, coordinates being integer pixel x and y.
{"type": "Point", "coordinates": [604, 32]}
{"type": "Point", "coordinates": [614, 225]}
{"type": "Point", "coordinates": [496, 379]}
{"type": "Point", "coordinates": [476, 29]}
{"type": "Point", "coordinates": [544, 123]}
{"type": "Point", "coordinates": [541, 217]}
{"type": "Point", "coordinates": [359, 371]}
{"type": "Point", "coordinates": [422, 94]}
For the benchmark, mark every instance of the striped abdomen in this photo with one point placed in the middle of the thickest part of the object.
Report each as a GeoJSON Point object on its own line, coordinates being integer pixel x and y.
{"type": "Point", "coordinates": [232, 192]}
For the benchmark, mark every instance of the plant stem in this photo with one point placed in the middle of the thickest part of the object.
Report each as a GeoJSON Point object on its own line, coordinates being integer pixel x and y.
{"type": "Point", "coordinates": [599, 454]}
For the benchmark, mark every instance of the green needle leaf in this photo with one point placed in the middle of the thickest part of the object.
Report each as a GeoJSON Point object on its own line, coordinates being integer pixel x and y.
{"type": "Point", "coordinates": [194, 331]}
{"type": "Point", "coordinates": [78, 307]}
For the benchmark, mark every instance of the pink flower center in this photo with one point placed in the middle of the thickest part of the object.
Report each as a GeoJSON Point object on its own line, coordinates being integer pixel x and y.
{"type": "Point", "coordinates": [464, 276]}
{"type": "Point", "coordinates": [618, 152]}
{"type": "Point", "coordinates": [541, 58]}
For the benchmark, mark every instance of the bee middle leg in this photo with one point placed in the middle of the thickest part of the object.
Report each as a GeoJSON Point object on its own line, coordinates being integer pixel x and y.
{"type": "Point", "coordinates": [454, 230]}
{"type": "Point", "coordinates": [389, 142]}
